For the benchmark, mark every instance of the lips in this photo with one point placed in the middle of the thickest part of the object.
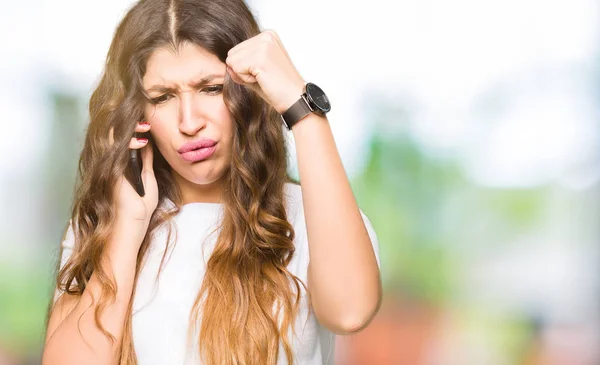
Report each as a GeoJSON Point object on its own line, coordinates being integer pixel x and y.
{"type": "Point", "coordinates": [201, 143]}
{"type": "Point", "coordinates": [198, 150]}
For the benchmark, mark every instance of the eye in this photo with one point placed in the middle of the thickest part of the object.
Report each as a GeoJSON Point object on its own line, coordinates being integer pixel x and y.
{"type": "Point", "coordinates": [213, 89]}
{"type": "Point", "coordinates": [161, 99]}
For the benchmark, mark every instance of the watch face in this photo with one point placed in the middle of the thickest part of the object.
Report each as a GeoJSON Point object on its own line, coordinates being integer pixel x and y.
{"type": "Point", "coordinates": [318, 97]}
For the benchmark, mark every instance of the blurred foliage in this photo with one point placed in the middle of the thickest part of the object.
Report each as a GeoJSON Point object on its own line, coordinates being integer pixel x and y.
{"type": "Point", "coordinates": [428, 215]}
{"type": "Point", "coordinates": [61, 160]}
{"type": "Point", "coordinates": [24, 294]}
{"type": "Point", "coordinates": [27, 288]}
{"type": "Point", "coordinates": [402, 192]}
{"type": "Point", "coordinates": [431, 220]}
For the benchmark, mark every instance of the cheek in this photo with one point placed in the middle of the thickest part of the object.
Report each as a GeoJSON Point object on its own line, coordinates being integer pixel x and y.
{"type": "Point", "coordinates": [159, 125]}
{"type": "Point", "coordinates": [225, 120]}
{"type": "Point", "coordinates": [158, 116]}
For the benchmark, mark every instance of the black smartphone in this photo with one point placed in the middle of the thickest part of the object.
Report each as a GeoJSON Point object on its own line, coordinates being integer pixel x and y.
{"type": "Point", "coordinates": [134, 175]}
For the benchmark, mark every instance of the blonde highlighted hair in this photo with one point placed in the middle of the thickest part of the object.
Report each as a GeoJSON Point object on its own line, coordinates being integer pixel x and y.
{"type": "Point", "coordinates": [246, 275]}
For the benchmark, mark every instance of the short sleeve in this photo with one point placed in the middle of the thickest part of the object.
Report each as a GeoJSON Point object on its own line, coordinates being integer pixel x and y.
{"type": "Point", "coordinates": [66, 249]}
{"type": "Point", "coordinates": [372, 236]}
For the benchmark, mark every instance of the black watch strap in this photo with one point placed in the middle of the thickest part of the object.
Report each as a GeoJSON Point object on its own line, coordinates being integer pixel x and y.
{"type": "Point", "coordinates": [296, 112]}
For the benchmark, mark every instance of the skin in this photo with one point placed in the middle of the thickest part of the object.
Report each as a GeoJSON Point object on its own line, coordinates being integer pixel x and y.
{"type": "Point", "coordinates": [347, 293]}
{"type": "Point", "coordinates": [187, 113]}
{"type": "Point", "coordinates": [343, 276]}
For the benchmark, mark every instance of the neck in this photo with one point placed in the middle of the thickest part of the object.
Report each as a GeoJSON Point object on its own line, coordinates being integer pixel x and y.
{"type": "Point", "coordinates": [199, 193]}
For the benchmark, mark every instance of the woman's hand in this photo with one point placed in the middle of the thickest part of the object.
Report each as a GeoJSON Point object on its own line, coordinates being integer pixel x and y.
{"type": "Point", "coordinates": [262, 64]}
{"type": "Point", "coordinates": [133, 211]}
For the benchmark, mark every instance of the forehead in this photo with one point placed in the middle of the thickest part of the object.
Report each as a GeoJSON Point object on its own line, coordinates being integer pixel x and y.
{"type": "Point", "coordinates": [192, 61]}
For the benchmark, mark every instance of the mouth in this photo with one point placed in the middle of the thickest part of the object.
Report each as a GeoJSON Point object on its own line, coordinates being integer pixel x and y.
{"type": "Point", "coordinates": [196, 145]}
{"type": "Point", "coordinates": [199, 153]}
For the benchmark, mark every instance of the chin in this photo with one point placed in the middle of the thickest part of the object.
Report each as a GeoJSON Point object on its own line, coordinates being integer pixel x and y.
{"type": "Point", "coordinates": [202, 176]}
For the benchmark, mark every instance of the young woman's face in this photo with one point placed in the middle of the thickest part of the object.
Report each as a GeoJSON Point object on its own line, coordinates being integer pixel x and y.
{"type": "Point", "coordinates": [187, 106]}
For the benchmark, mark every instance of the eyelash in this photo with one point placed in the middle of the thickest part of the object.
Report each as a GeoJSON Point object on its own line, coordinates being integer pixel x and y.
{"type": "Point", "coordinates": [214, 90]}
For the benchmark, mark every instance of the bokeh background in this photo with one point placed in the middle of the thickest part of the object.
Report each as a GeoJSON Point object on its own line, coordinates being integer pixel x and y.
{"type": "Point", "coordinates": [469, 130]}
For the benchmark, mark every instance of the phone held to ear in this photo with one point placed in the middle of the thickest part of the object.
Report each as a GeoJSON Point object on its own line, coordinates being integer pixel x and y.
{"type": "Point", "coordinates": [135, 164]}
{"type": "Point", "coordinates": [134, 173]}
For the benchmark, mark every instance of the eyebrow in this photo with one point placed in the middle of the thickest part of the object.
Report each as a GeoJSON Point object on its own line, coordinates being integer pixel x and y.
{"type": "Point", "coordinates": [203, 81]}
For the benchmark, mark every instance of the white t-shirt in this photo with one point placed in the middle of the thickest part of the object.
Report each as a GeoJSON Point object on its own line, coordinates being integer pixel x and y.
{"type": "Point", "coordinates": [161, 308]}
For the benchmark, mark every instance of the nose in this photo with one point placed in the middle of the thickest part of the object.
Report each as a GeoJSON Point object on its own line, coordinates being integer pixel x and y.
{"type": "Point", "coordinates": [190, 120]}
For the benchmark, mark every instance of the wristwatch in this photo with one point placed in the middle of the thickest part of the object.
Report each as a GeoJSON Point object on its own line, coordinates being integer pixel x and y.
{"type": "Point", "coordinates": [313, 100]}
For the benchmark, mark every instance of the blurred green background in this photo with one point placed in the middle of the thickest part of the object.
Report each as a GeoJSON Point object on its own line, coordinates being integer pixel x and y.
{"type": "Point", "coordinates": [469, 130]}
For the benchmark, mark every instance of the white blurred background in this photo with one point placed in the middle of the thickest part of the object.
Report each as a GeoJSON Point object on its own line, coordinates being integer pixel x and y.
{"type": "Point", "coordinates": [469, 130]}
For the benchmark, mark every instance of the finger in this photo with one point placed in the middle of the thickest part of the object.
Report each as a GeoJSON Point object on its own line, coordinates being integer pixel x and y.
{"type": "Point", "coordinates": [240, 60]}
{"type": "Point", "coordinates": [147, 159]}
{"type": "Point", "coordinates": [137, 143]}
{"type": "Point", "coordinates": [235, 77]}
{"type": "Point", "coordinates": [240, 65]}
{"type": "Point", "coordinates": [234, 50]}
{"type": "Point", "coordinates": [267, 36]}
{"type": "Point", "coordinates": [142, 127]}
{"type": "Point", "coordinates": [241, 46]}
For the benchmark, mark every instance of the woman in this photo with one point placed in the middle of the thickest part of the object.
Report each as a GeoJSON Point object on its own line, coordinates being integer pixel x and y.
{"type": "Point", "coordinates": [233, 284]}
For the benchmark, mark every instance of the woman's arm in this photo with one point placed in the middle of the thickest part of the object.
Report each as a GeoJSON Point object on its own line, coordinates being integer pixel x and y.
{"type": "Point", "coordinates": [343, 274]}
{"type": "Point", "coordinates": [73, 336]}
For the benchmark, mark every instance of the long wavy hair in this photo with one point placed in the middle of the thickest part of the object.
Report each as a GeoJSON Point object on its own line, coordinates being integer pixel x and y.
{"type": "Point", "coordinates": [248, 298]}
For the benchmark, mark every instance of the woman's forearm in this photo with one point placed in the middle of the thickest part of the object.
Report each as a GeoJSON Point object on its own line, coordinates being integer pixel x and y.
{"type": "Point", "coordinates": [343, 276]}
{"type": "Point", "coordinates": [75, 338]}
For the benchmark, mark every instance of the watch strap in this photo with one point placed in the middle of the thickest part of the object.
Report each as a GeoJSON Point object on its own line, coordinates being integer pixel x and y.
{"type": "Point", "coordinates": [296, 112]}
